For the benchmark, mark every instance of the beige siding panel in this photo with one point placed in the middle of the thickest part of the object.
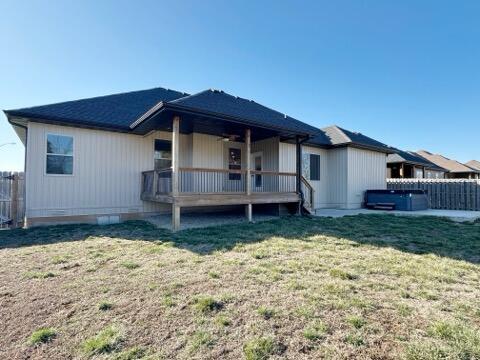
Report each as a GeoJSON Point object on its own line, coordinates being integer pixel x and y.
{"type": "Point", "coordinates": [287, 157]}
{"type": "Point", "coordinates": [270, 151]}
{"type": "Point", "coordinates": [320, 186]}
{"type": "Point", "coordinates": [366, 170]}
{"type": "Point", "coordinates": [106, 174]}
{"type": "Point", "coordinates": [207, 151]}
{"type": "Point", "coordinates": [337, 176]}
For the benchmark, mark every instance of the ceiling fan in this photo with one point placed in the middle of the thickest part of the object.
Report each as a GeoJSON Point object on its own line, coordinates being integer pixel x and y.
{"type": "Point", "coordinates": [228, 137]}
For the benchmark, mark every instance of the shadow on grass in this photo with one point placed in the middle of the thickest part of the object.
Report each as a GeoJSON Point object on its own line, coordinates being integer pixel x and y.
{"type": "Point", "coordinates": [418, 235]}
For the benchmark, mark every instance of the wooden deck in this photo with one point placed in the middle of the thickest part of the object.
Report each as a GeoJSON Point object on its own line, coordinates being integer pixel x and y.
{"type": "Point", "coordinates": [214, 199]}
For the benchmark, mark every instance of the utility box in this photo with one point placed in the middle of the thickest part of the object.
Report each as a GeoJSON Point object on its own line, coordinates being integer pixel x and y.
{"type": "Point", "coordinates": [405, 200]}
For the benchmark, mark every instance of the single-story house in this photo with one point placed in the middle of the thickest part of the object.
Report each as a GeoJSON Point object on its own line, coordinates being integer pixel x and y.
{"type": "Point", "coordinates": [136, 154]}
{"type": "Point", "coordinates": [408, 165]}
{"type": "Point", "coordinates": [473, 164]}
{"type": "Point", "coordinates": [456, 170]}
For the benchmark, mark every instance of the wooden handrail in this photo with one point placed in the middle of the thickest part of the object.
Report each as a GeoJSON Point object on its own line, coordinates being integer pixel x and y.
{"type": "Point", "coordinates": [311, 190]}
{"type": "Point", "coordinates": [237, 171]}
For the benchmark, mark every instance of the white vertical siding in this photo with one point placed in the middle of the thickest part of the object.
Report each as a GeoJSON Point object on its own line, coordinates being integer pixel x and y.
{"type": "Point", "coordinates": [345, 174]}
{"type": "Point", "coordinates": [337, 174]}
{"type": "Point", "coordinates": [106, 176]}
{"type": "Point", "coordinates": [320, 186]}
{"type": "Point", "coordinates": [366, 170]}
{"type": "Point", "coordinates": [287, 158]}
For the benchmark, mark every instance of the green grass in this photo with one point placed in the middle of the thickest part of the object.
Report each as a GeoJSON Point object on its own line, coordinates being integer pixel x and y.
{"type": "Point", "coordinates": [266, 312]}
{"type": "Point", "coordinates": [42, 335]}
{"type": "Point", "coordinates": [106, 341]}
{"type": "Point", "coordinates": [39, 274]}
{"type": "Point", "coordinates": [315, 331]}
{"type": "Point", "coordinates": [130, 265]}
{"type": "Point", "coordinates": [206, 304]}
{"type": "Point", "coordinates": [374, 286]}
{"type": "Point", "coordinates": [260, 348]}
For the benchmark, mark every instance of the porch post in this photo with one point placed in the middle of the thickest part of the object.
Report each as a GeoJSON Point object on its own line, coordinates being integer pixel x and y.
{"type": "Point", "coordinates": [175, 158]}
{"type": "Point", "coordinates": [248, 180]}
{"type": "Point", "coordinates": [175, 217]}
{"type": "Point", "coordinates": [175, 154]}
{"type": "Point", "coordinates": [299, 169]}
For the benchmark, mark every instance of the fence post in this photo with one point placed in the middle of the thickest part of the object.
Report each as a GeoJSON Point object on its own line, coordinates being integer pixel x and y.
{"type": "Point", "coordinates": [14, 201]}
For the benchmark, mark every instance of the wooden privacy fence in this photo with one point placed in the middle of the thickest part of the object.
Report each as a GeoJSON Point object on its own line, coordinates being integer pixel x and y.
{"type": "Point", "coordinates": [448, 194]}
{"type": "Point", "coordinates": [12, 209]}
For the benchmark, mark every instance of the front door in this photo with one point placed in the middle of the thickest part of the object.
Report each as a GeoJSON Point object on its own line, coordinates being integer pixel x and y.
{"type": "Point", "coordinates": [256, 161]}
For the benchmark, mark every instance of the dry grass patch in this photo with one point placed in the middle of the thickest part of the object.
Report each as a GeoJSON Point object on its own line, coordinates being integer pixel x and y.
{"type": "Point", "coordinates": [379, 287]}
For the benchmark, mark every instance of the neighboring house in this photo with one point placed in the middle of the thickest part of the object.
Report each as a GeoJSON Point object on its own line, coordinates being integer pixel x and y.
{"type": "Point", "coordinates": [141, 153]}
{"type": "Point", "coordinates": [473, 164]}
{"type": "Point", "coordinates": [408, 165]}
{"type": "Point", "coordinates": [456, 170]}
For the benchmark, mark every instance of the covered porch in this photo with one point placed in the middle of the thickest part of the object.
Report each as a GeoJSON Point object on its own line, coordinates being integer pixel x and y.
{"type": "Point", "coordinates": [247, 174]}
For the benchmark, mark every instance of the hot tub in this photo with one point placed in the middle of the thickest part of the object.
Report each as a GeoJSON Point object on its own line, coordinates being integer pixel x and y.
{"type": "Point", "coordinates": [406, 200]}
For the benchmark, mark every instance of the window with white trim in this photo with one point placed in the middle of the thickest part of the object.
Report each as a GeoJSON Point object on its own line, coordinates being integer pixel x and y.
{"type": "Point", "coordinates": [59, 155]}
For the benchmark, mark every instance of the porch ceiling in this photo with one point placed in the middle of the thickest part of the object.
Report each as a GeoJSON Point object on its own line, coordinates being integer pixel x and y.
{"type": "Point", "coordinates": [216, 125]}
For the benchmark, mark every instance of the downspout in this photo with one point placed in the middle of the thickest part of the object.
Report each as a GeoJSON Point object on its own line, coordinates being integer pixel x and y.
{"type": "Point", "coordinates": [299, 143]}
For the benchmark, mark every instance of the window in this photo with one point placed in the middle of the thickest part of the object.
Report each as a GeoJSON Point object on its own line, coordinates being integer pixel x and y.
{"type": "Point", "coordinates": [311, 166]}
{"type": "Point", "coordinates": [162, 154]}
{"type": "Point", "coordinates": [234, 163]}
{"type": "Point", "coordinates": [59, 155]}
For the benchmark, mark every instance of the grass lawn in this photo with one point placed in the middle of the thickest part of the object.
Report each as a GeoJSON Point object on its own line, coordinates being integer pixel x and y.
{"type": "Point", "coordinates": [364, 287]}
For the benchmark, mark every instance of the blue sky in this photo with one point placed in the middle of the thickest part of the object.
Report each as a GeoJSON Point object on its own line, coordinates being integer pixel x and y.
{"type": "Point", "coordinates": [404, 72]}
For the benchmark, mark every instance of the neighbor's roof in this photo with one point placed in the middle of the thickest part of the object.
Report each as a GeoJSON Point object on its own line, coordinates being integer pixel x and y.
{"type": "Point", "coordinates": [336, 136]}
{"type": "Point", "coordinates": [125, 111]}
{"type": "Point", "coordinates": [410, 157]}
{"type": "Point", "coordinates": [449, 164]}
{"type": "Point", "coordinates": [474, 164]}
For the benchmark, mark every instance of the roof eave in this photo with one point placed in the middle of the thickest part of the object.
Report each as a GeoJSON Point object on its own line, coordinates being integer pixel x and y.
{"type": "Point", "coordinates": [63, 122]}
{"type": "Point", "coordinates": [186, 109]}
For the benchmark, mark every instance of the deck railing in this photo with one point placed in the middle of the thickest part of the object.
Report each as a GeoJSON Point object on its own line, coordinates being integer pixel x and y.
{"type": "Point", "coordinates": [217, 181]}
{"type": "Point", "coordinates": [308, 193]}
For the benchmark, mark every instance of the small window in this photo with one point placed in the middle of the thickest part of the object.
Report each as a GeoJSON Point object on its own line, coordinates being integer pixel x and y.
{"type": "Point", "coordinates": [311, 166]}
{"type": "Point", "coordinates": [162, 154]}
{"type": "Point", "coordinates": [234, 163]}
{"type": "Point", "coordinates": [59, 155]}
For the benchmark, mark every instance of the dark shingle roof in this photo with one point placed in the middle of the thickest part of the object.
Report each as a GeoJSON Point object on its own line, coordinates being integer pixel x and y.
{"type": "Point", "coordinates": [337, 136]}
{"type": "Point", "coordinates": [410, 157]}
{"type": "Point", "coordinates": [111, 111]}
{"type": "Point", "coordinates": [222, 103]}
